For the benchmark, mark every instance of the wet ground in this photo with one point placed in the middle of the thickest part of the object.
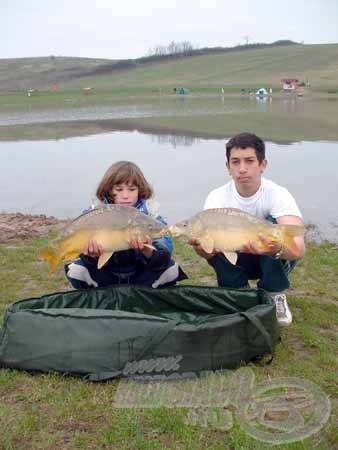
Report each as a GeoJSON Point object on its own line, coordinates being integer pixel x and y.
{"type": "Point", "coordinates": [278, 118]}
{"type": "Point", "coordinates": [25, 226]}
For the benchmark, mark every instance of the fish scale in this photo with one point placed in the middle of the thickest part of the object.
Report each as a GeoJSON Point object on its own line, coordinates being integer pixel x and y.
{"type": "Point", "coordinates": [229, 216]}
{"type": "Point", "coordinates": [230, 229]}
{"type": "Point", "coordinates": [115, 216]}
{"type": "Point", "coordinates": [111, 226]}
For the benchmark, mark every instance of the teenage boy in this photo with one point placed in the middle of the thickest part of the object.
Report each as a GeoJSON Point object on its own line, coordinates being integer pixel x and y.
{"type": "Point", "coordinates": [250, 192]}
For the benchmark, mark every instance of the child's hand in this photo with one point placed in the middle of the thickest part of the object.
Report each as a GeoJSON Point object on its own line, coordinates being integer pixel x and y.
{"type": "Point", "coordinates": [138, 244]}
{"type": "Point", "coordinates": [93, 249]}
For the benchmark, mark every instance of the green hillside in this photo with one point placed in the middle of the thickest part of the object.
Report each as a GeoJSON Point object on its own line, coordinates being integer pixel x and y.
{"type": "Point", "coordinates": [317, 63]}
{"type": "Point", "coordinates": [28, 73]}
{"type": "Point", "coordinates": [207, 73]}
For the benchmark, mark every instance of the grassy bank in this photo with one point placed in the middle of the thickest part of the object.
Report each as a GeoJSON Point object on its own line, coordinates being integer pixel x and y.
{"type": "Point", "coordinates": [287, 119]}
{"type": "Point", "coordinates": [250, 68]}
{"type": "Point", "coordinates": [151, 86]}
{"type": "Point", "coordinates": [51, 411]}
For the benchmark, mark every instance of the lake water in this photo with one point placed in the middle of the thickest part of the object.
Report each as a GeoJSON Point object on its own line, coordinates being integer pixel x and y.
{"type": "Point", "coordinates": [156, 107]}
{"type": "Point", "coordinates": [163, 107]}
{"type": "Point", "coordinates": [59, 177]}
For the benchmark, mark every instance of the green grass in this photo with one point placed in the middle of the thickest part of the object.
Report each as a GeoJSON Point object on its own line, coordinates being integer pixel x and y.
{"type": "Point", "coordinates": [208, 73]}
{"type": "Point", "coordinates": [312, 117]}
{"type": "Point", "coordinates": [52, 411]}
{"type": "Point", "coordinates": [317, 121]}
{"type": "Point", "coordinates": [236, 70]}
{"type": "Point", "coordinates": [308, 118]}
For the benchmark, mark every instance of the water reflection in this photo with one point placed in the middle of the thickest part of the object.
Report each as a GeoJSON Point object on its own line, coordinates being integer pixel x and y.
{"type": "Point", "coordinates": [59, 177]}
{"type": "Point", "coordinates": [174, 141]}
{"type": "Point", "coordinates": [157, 107]}
{"type": "Point", "coordinates": [291, 105]}
{"type": "Point", "coordinates": [263, 103]}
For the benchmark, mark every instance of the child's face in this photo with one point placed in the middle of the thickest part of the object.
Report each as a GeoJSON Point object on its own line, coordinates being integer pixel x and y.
{"type": "Point", "coordinates": [124, 194]}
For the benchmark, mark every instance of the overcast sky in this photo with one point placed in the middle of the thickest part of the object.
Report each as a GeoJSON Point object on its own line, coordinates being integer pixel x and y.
{"type": "Point", "coordinates": [118, 29]}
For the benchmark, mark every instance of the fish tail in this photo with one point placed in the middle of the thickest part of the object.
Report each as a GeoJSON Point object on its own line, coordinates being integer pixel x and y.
{"type": "Point", "coordinates": [289, 233]}
{"type": "Point", "coordinates": [150, 246]}
{"type": "Point", "coordinates": [52, 256]}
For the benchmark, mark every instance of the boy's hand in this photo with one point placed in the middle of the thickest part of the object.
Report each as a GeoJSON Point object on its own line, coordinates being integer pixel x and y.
{"type": "Point", "coordinates": [266, 246]}
{"type": "Point", "coordinates": [93, 249]}
{"type": "Point", "coordinates": [200, 251]}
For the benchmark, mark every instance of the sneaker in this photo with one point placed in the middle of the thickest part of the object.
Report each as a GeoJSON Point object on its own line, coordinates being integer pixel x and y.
{"type": "Point", "coordinates": [283, 313]}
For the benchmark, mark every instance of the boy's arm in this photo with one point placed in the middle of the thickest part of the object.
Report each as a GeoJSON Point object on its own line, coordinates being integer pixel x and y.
{"type": "Point", "coordinates": [299, 240]}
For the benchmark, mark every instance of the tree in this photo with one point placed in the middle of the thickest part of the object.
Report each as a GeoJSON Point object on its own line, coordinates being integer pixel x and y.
{"type": "Point", "coordinates": [172, 49]}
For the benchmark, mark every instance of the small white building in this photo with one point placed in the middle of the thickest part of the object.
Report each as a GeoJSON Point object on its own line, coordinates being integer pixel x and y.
{"type": "Point", "coordinates": [289, 84]}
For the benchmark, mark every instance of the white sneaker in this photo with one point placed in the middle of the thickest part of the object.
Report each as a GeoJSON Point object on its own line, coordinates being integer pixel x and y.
{"type": "Point", "coordinates": [283, 313]}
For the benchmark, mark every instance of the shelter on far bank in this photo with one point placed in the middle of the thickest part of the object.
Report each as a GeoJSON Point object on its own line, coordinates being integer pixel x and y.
{"type": "Point", "coordinates": [289, 84]}
{"type": "Point", "coordinates": [261, 92]}
{"type": "Point", "coordinates": [182, 91]}
{"type": "Point", "coordinates": [87, 90]}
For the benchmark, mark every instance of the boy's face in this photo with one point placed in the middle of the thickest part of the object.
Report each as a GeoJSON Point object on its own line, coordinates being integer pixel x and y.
{"type": "Point", "coordinates": [245, 168]}
{"type": "Point", "coordinates": [124, 194]}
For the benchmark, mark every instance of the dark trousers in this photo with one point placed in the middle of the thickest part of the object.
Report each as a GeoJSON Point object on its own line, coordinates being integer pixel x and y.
{"type": "Point", "coordinates": [271, 273]}
{"type": "Point", "coordinates": [106, 276]}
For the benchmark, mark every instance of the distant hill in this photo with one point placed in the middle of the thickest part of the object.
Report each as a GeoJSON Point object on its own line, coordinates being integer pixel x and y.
{"type": "Point", "coordinates": [203, 70]}
{"type": "Point", "coordinates": [29, 73]}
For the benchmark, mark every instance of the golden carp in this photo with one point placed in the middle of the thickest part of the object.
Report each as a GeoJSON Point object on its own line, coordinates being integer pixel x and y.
{"type": "Point", "coordinates": [229, 229]}
{"type": "Point", "coordinates": [112, 226]}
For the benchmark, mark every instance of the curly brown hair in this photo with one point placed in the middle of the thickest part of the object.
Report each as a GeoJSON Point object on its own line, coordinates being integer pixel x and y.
{"type": "Point", "coordinates": [123, 172]}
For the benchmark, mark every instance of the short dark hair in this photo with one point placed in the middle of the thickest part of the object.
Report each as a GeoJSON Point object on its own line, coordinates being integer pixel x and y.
{"type": "Point", "coordinates": [245, 140]}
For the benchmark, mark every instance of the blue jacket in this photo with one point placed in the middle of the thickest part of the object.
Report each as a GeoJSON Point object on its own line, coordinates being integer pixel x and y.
{"type": "Point", "coordinates": [132, 261]}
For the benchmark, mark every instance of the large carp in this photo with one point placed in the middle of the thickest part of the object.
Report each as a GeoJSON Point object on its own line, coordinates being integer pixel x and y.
{"type": "Point", "coordinates": [112, 226]}
{"type": "Point", "coordinates": [229, 229]}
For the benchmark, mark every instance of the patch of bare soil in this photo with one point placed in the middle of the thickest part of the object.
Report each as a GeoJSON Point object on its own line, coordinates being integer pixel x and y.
{"type": "Point", "coordinates": [15, 226]}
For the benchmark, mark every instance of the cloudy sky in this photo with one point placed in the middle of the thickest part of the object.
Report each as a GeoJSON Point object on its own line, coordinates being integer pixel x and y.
{"type": "Point", "coordinates": [118, 29]}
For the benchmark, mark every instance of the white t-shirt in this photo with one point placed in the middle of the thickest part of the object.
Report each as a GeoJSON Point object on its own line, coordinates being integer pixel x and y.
{"type": "Point", "coordinates": [270, 200]}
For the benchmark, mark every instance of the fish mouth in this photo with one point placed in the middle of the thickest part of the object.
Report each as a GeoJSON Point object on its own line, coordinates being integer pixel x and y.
{"type": "Point", "coordinates": [164, 232]}
{"type": "Point", "coordinates": [174, 230]}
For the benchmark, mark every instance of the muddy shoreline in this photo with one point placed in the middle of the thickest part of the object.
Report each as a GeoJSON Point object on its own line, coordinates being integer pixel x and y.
{"type": "Point", "coordinates": [14, 226]}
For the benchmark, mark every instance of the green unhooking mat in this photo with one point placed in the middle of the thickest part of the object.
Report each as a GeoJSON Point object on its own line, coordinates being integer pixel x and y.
{"type": "Point", "coordinates": [102, 333]}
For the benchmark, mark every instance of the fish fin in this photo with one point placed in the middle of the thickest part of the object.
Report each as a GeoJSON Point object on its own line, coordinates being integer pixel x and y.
{"type": "Point", "coordinates": [103, 259]}
{"type": "Point", "coordinates": [150, 246]}
{"type": "Point", "coordinates": [231, 256]}
{"type": "Point", "coordinates": [207, 243]}
{"type": "Point", "coordinates": [290, 244]}
{"type": "Point", "coordinates": [290, 232]}
{"type": "Point", "coordinates": [71, 255]}
{"type": "Point", "coordinates": [52, 256]}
